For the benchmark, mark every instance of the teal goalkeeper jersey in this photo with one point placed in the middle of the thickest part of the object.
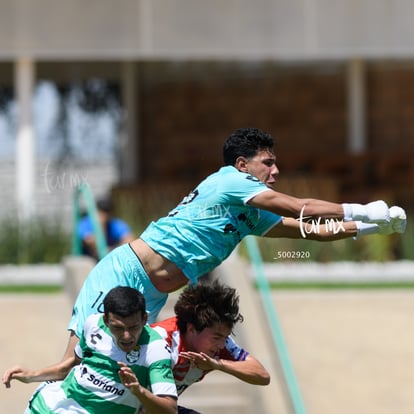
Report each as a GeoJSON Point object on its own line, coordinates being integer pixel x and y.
{"type": "Point", "coordinates": [94, 387]}
{"type": "Point", "coordinates": [208, 224]}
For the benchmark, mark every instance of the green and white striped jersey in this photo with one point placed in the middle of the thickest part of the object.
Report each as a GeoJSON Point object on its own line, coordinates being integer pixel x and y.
{"type": "Point", "coordinates": [94, 386]}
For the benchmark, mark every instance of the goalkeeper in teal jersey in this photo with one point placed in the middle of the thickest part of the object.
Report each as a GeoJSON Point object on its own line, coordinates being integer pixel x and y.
{"type": "Point", "coordinates": [120, 365]}
{"type": "Point", "coordinates": [238, 200]}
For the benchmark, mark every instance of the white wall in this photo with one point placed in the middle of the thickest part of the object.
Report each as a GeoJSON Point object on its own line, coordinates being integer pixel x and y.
{"type": "Point", "coordinates": [276, 29]}
{"type": "Point", "coordinates": [54, 187]}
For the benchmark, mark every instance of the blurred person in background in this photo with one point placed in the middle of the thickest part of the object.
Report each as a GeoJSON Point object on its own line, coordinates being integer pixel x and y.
{"type": "Point", "coordinates": [116, 231]}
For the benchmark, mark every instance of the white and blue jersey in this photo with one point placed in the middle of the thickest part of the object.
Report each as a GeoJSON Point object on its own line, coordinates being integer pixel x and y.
{"type": "Point", "coordinates": [207, 225]}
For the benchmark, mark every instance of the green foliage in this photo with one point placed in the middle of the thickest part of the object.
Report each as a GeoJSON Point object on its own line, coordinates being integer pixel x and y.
{"type": "Point", "coordinates": [37, 241]}
{"type": "Point", "coordinates": [405, 248]}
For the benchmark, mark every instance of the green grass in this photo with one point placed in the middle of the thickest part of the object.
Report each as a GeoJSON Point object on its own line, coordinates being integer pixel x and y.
{"type": "Point", "coordinates": [31, 289]}
{"type": "Point", "coordinates": [340, 285]}
{"type": "Point", "coordinates": [53, 289]}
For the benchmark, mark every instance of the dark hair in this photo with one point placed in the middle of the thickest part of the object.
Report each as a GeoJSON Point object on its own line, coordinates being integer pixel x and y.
{"type": "Point", "coordinates": [245, 142]}
{"type": "Point", "coordinates": [105, 204]}
{"type": "Point", "coordinates": [204, 305]}
{"type": "Point", "coordinates": [124, 301]}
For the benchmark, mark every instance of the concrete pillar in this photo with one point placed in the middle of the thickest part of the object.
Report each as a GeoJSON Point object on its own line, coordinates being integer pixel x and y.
{"type": "Point", "coordinates": [356, 93]}
{"type": "Point", "coordinates": [25, 143]}
{"type": "Point", "coordinates": [129, 145]}
{"type": "Point", "coordinates": [76, 269]}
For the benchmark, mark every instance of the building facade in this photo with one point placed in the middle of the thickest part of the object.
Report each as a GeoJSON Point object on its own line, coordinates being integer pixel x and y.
{"type": "Point", "coordinates": [331, 80]}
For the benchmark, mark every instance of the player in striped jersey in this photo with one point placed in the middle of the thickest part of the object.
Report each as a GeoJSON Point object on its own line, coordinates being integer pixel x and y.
{"type": "Point", "coordinates": [120, 365]}
{"type": "Point", "coordinates": [200, 341]}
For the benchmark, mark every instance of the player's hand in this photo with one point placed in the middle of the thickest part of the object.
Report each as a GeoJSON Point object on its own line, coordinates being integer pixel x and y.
{"type": "Point", "coordinates": [128, 378]}
{"type": "Point", "coordinates": [377, 212]}
{"type": "Point", "coordinates": [374, 212]}
{"type": "Point", "coordinates": [201, 360]}
{"type": "Point", "coordinates": [16, 373]}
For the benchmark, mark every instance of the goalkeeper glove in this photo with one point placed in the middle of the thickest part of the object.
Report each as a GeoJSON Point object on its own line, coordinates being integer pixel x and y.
{"type": "Point", "coordinates": [374, 212]}
{"type": "Point", "coordinates": [397, 224]}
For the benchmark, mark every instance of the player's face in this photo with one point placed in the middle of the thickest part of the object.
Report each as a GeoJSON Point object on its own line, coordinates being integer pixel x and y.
{"type": "Point", "coordinates": [209, 340]}
{"type": "Point", "coordinates": [263, 167]}
{"type": "Point", "coordinates": [126, 330]}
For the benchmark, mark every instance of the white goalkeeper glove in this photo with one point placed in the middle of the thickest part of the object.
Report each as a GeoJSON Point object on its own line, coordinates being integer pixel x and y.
{"type": "Point", "coordinates": [397, 224]}
{"type": "Point", "coordinates": [374, 212]}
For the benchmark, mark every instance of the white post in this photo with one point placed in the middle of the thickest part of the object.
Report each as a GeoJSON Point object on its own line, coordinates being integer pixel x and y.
{"type": "Point", "coordinates": [356, 88]}
{"type": "Point", "coordinates": [25, 145]}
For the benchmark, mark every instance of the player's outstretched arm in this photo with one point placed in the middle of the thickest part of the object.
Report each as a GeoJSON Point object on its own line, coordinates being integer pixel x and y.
{"type": "Point", "coordinates": [53, 372]}
{"type": "Point", "coordinates": [336, 229]}
{"type": "Point", "coordinates": [250, 370]}
{"type": "Point", "coordinates": [313, 229]}
{"type": "Point", "coordinates": [289, 206]}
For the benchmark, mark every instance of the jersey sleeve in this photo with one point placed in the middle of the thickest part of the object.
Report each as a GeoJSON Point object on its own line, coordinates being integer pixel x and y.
{"type": "Point", "coordinates": [232, 351]}
{"type": "Point", "coordinates": [267, 221]}
{"type": "Point", "coordinates": [160, 368]}
{"type": "Point", "coordinates": [80, 345]}
{"type": "Point", "coordinates": [237, 186]}
{"type": "Point", "coordinates": [78, 351]}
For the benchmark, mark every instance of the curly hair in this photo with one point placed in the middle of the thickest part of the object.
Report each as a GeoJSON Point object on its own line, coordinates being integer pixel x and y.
{"type": "Point", "coordinates": [245, 142]}
{"type": "Point", "coordinates": [205, 304]}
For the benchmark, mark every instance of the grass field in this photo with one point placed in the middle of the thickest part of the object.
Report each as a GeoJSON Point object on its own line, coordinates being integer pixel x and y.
{"type": "Point", "coordinates": [334, 285]}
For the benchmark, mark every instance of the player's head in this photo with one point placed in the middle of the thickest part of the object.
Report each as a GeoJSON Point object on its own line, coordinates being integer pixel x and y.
{"type": "Point", "coordinates": [125, 315]}
{"type": "Point", "coordinates": [250, 150]}
{"type": "Point", "coordinates": [206, 314]}
{"type": "Point", "coordinates": [105, 204]}
{"type": "Point", "coordinates": [246, 142]}
{"type": "Point", "coordinates": [105, 208]}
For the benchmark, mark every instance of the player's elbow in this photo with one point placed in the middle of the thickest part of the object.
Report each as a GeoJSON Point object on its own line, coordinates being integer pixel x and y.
{"type": "Point", "coordinates": [261, 377]}
{"type": "Point", "coordinates": [264, 379]}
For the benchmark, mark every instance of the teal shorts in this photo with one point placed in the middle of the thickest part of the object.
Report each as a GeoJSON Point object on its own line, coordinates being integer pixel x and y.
{"type": "Point", "coordinates": [121, 267]}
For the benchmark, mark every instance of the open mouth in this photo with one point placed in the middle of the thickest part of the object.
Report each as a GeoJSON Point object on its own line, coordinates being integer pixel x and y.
{"type": "Point", "coordinates": [127, 344]}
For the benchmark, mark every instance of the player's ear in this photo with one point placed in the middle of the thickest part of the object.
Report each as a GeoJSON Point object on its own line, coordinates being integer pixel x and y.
{"type": "Point", "coordinates": [191, 328]}
{"type": "Point", "coordinates": [144, 318]}
{"type": "Point", "coordinates": [241, 164]}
